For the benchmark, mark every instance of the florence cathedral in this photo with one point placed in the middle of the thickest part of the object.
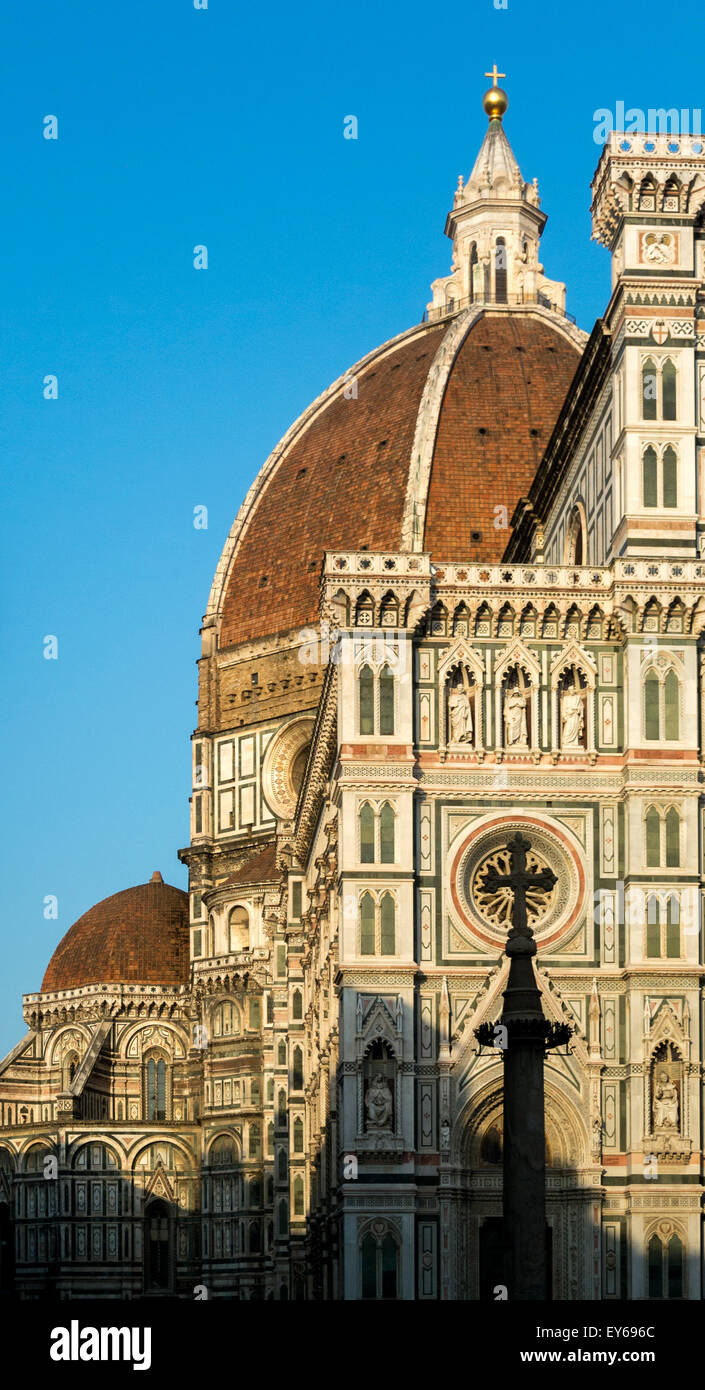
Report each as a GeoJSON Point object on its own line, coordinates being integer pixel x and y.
{"type": "Point", "coordinates": [463, 597]}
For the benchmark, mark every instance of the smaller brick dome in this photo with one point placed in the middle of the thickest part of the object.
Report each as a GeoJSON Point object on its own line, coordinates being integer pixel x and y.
{"type": "Point", "coordinates": [139, 936]}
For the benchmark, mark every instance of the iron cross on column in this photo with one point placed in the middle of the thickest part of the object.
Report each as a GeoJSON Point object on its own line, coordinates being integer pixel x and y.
{"type": "Point", "coordinates": [519, 880]}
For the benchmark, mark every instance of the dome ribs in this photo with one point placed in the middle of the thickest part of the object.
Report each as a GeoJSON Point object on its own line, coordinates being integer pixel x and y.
{"type": "Point", "coordinates": [340, 504]}
{"type": "Point", "coordinates": [514, 396]}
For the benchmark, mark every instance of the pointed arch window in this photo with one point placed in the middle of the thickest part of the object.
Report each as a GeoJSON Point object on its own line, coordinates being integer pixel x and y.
{"type": "Point", "coordinates": [386, 834]}
{"type": "Point", "coordinates": [673, 838]}
{"type": "Point", "coordinates": [670, 477]}
{"type": "Point", "coordinates": [297, 1004]}
{"type": "Point", "coordinates": [653, 928]}
{"type": "Point", "coordinates": [666, 1267]}
{"type": "Point", "coordinates": [387, 914]}
{"type": "Point", "coordinates": [367, 925]}
{"type": "Point", "coordinates": [649, 390]}
{"type": "Point", "coordinates": [668, 390]}
{"type": "Point", "coordinates": [386, 701]}
{"type": "Point", "coordinates": [379, 1266]}
{"type": "Point", "coordinates": [298, 1196]}
{"type": "Point", "coordinates": [298, 1135]}
{"type": "Point", "coordinates": [155, 1090]}
{"type": "Point", "coordinates": [653, 839]}
{"type": "Point", "coordinates": [297, 1070]}
{"type": "Point", "coordinates": [671, 688]}
{"type": "Point", "coordinates": [663, 928]}
{"type": "Point", "coordinates": [367, 834]}
{"type": "Point", "coordinates": [367, 701]}
{"type": "Point", "coordinates": [650, 477]}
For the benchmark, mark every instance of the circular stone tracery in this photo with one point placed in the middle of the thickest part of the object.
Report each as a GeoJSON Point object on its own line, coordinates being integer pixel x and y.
{"type": "Point", "coordinates": [487, 916]}
{"type": "Point", "coordinates": [496, 906]}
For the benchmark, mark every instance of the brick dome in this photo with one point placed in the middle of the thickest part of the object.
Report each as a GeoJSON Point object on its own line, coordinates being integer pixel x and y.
{"type": "Point", "coordinates": [139, 936]}
{"type": "Point", "coordinates": [414, 448]}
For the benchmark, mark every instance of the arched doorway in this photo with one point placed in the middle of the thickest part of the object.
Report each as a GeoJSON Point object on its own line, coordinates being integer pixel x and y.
{"type": "Point", "coordinates": [158, 1274]}
{"type": "Point", "coordinates": [477, 1156]}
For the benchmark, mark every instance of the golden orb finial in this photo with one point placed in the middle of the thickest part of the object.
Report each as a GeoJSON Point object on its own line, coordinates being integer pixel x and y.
{"type": "Point", "coordinates": [495, 101]}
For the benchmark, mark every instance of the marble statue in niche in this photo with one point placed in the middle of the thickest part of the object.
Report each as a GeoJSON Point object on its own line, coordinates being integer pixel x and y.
{"type": "Point", "coordinates": [460, 708]}
{"type": "Point", "coordinates": [378, 1103]}
{"type": "Point", "coordinates": [515, 725]}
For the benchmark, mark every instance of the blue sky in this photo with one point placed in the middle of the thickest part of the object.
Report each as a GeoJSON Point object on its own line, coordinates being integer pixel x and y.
{"type": "Point", "coordinates": [221, 127]}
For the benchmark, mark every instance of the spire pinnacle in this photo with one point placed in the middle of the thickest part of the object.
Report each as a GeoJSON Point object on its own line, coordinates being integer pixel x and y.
{"type": "Point", "coordinates": [495, 101]}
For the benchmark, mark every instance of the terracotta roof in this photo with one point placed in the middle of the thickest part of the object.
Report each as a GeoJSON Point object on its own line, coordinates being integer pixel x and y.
{"type": "Point", "coordinates": [504, 392]}
{"type": "Point", "coordinates": [139, 936]}
{"type": "Point", "coordinates": [261, 869]}
{"type": "Point", "coordinates": [339, 479]}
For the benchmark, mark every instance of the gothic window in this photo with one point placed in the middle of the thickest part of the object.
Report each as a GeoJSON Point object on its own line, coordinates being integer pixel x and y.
{"type": "Point", "coordinates": [379, 1263]}
{"type": "Point", "coordinates": [653, 838]}
{"type": "Point", "coordinates": [670, 477]}
{"type": "Point", "coordinates": [386, 701]}
{"type": "Point", "coordinates": [255, 1149]}
{"type": "Point", "coordinates": [281, 1053]}
{"type": "Point", "coordinates": [653, 928]}
{"type": "Point", "coordinates": [255, 1237]}
{"type": "Point", "coordinates": [663, 928]}
{"type": "Point", "coordinates": [270, 1137]}
{"type": "Point", "coordinates": [270, 1088]}
{"type": "Point", "coordinates": [297, 1070]}
{"type": "Point", "coordinates": [298, 1196]}
{"type": "Point", "coordinates": [389, 611]}
{"type": "Point", "coordinates": [365, 611]}
{"type": "Point", "coordinates": [298, 1135]}
{"type": "Point", "coordinates": [673, 838]}
{"type": "Point", "coordinates": [367, 925]}
{"type": "Point", "coordinates": [255, 1093]}
{"type": "Point", "coordinates": [461, 621]}
{"type": "Point", "coordinates": [270, 1009]}
{"type": "Point", "coordinates": [155, 1078]}
{"type": "Point", "coordinates": [387, 914]}
{"type": "Point", "coordinates": [500, 270]}
{"type": "Point", "coordinates": [663, 838]}
{"type": "Point", "coordinates": [649, 390]}
{"type": "Point", "coordinates": [367, 834]}
{"type": "Point", "coordinates": [297, 1004]}
{"type": "Point", "coordinates": [666, 1263]}
{"type": "Point", "coordinates": [650, 477]}
{"type": "Point", "coordinates": [386, 834]}
{"type": "Point", "coordinates": [225, 1020]}
{"type": "Point", "coordinates": [661, 705]}
{"type": "Point", "coordinates": [668, 390]}
{"type": "Point", "coordinates": [367, 700]}
{"type": "Point", "coordinates": [377, 925]}
{"type": "Point", "coordinates": [255, 1012]}
{"type": "Point", "coordinates": [439, 621]}
{"type": "Point", "coordinates": [282, 1165]}
{"type": "Point", "coordinates": [281, 1108]}
{"type": "Point", "coordinates": [238, 929]}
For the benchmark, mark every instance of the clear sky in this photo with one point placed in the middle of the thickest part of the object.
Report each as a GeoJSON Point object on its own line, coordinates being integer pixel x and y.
{"type": "Point", "coordinates": [222, 127]}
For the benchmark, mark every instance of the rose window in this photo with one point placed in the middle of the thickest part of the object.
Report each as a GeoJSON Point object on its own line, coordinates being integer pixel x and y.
{"type": "Point", "coordinates": [487, 913]}
{"type": "Point", "coordinates": [496, 905]}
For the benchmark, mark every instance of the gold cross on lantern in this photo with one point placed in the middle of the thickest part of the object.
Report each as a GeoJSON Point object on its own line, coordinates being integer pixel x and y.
{"type": "Point", "coordinates": [494, 74]}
